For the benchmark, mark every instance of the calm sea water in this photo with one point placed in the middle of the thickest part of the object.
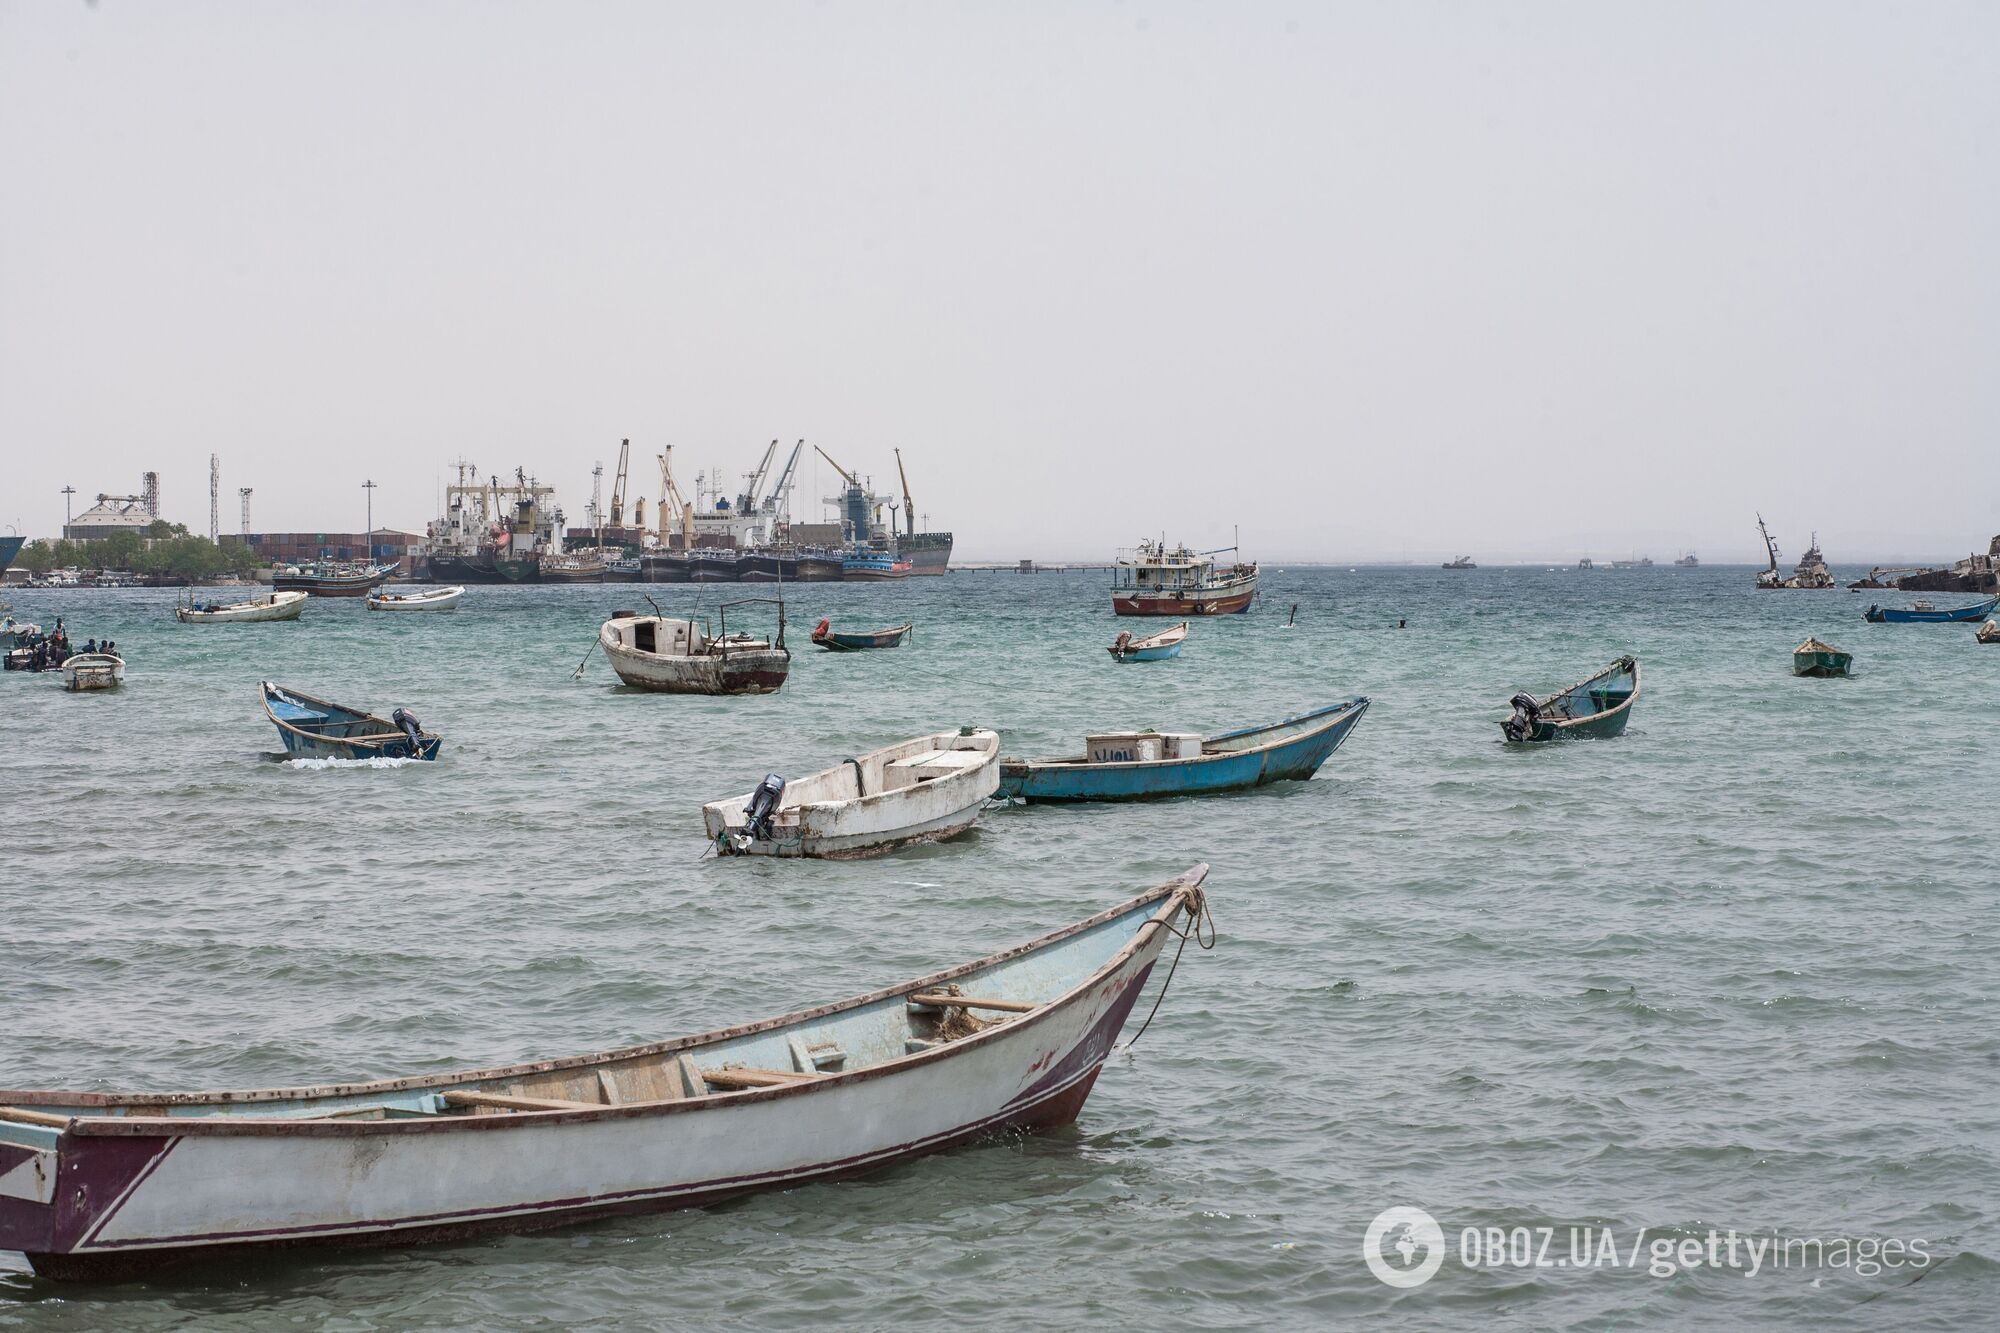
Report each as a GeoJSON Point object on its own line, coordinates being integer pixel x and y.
{"type": "Point", "coordinates": [1734, 970]}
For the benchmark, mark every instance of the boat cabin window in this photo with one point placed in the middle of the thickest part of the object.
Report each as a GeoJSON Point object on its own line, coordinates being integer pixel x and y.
{"type": "Point", "coordinates": [642, 636]}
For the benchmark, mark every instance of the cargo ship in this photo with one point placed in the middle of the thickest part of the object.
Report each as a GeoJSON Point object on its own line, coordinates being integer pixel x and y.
{"type": "Point", "coordinates": [494, 533]}
{"type": "Point", "coordinates": [1155, 581]}
{"type": "Point", "coordinates": [927, 552]}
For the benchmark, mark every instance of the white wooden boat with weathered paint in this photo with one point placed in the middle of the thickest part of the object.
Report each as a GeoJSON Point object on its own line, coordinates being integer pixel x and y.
{"type": "Point", "coordinates": [430, 599]}
{"type": "Point", "coordinates": [273, 606]}
{"type": "Point", "coordinates": [923, 790]}
{"type": "Point", "coordinates": [100, 1185]}
{"type": "Point", "coordinates": [93, 671]}
{"type": "Point", "coordinates": [674, 656]}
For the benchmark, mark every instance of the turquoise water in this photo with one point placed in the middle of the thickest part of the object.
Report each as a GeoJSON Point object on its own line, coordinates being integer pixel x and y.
{"type": "Point", "coordinates": [1733, 970]}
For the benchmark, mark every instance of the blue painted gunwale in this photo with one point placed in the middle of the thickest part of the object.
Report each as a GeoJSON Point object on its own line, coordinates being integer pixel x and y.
{"type": "Point", "coordinates": [1294, 752]}
{"type": "Point", "coordinates": [318, 729]}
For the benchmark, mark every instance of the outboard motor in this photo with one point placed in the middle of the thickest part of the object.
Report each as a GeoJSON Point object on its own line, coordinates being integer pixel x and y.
{"type": "Point", "coordinates": [762, 809]}
{"type": "Point", "coordinates": [1522, 725]}
{"type": "Point", "coordinates": [412, 728]}
{"type": "Point", "coordinates": [1123, 644]}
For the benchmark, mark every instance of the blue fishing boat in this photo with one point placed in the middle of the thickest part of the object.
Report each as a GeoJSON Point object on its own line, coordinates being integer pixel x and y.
{"type": "Point", "coordinates": [314, 728]}
{"type": "Point", "coordinates": [1152, 648]}
{"type": "Point", "coordinates": [854, 641]}
{"type": "Point", "coordinates": [1923, 613]}
{"type": "Point", "coordinates": [1136, 766]}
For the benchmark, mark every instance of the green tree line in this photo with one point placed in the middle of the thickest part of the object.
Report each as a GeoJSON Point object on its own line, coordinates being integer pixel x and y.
{"type": "Point", "coordinates": [168, 550]}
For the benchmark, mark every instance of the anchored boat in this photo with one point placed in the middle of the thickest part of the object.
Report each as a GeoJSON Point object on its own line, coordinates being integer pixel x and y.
{"type": "Point", "coordinates": [673, 656]}
{"type": "Point", "coordinates": [103, 1185]}
{"type": "Point", "coordinates": [1154, 581]}
{"type": "Point", "coordinates": [93, 671]}
{"type": "Point", "coordinates": [18, 632]}
{"type": "Point", "coordinates": [1591, 709]}
{"type": "Point", "coordinates": [1924, 613]}
{"type": "Point", "coordinates": [1152, 648]}
{"type": "Point", "coordinates": [1816, 657]}
{"type": "Point", "coordinates": [275, 606]}
{"type": "Point", "coordinates": [853, 641]}
{"type": "Point", "coordinates": [430, 599]}
{"type": "Point", "coordinates": [923, 790]}
{"type": "Point", "coordinates": [1130, 766]}
{"type": "Point", "coordinates": [1988, 633]}
{"type": "Point", "coordinates": [314, 728]}
{"type": "Point", "coordinates": [332, 578]}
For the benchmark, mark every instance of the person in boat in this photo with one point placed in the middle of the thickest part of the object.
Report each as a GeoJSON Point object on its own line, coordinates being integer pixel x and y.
{"type": "Point", "coordinates": [90, 645]}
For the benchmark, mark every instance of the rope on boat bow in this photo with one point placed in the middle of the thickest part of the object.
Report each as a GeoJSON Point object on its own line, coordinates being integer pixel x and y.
{"type": "Point", "coordinates": [1201, 925]}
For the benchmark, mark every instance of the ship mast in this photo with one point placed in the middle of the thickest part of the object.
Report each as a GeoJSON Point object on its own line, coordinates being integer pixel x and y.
{"type": "Point", "coordinates": [1770, 547]}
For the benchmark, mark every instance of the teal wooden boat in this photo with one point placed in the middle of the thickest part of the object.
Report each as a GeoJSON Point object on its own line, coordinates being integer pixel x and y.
{"type": "Point", "coordinates": [1593, 709]}
{"type": "Point", "coordinates": [1923, 613]}
{"type": "Point", "coordinates": [1153, 648]}
{"type": "Point", "coordinates": [1137, 766]}
{"type": "Point", "coordinates": [1816, 657]}
{"type": "Point", "coordinates": [854, 641]}
{"type": "Point", "coordinates": [313, 728]}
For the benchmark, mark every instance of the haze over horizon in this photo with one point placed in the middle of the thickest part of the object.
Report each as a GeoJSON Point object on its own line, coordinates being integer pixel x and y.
{"type": "Point", "coordinates": [1370, 283]}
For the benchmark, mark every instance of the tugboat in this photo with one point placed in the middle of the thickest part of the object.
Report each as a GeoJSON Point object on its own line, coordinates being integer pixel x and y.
{"type": "Point", "coordinates": [1154, 581]}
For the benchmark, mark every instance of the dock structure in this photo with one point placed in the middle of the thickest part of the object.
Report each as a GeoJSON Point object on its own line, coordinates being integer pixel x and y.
{"type": "Point", "coordinates": [1026, 566]}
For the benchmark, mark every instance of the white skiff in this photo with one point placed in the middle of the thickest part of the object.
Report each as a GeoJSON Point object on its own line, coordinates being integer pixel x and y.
{"type": "Point", "coordinates": [922, 790]}
{"type": "Point", "coordinates": [272, 606]}
{"type": "Point", "coordinates": [93, 671]}
{"type": "Point", "coordinates": [431, 599]}
{"type": "Point", "coordinates": [673, 656]}
{"type": "Point", "coordinates": [102, 1185]}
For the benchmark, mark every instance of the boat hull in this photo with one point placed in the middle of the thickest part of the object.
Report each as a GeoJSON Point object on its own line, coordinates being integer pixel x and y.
{"type": "Point", "coordinates": [84, 672]}
{"type": "Point", "coordinates": [1896, 615]}
{"type": "Point", "coordinates": [1233, 599]}
{"type": "Point", "coordinates": [341, 585]}
{"type": "Point", "coordinates": [119, 1195]}
{"type": "Point", "coordinates": [278, 606]}
{"type": "Point", "coordinates": [443, 599]}
{"type": "Point", "coordinates": [483, 569]}
{"type": "Point", "coordinates": [1825, 665]}
{"type": "Point", "coordinates": [838, 642]}
{"type": "Point", "coordinates": [748, 671]}
{"type": "Point", "coordinates": [1292, 760]}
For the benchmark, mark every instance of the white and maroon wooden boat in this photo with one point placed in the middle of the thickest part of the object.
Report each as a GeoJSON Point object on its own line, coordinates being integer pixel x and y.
{"type": "Point", "coordinates": [1155, 581]}
{"type": "Point", "coordinates": [101, 1185]}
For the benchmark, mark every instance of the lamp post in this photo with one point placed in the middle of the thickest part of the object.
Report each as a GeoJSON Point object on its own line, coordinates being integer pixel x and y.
{"type": "Point", "coordinates": [67, 491]}
{"type": "Point", "coordinates": [369, 486]}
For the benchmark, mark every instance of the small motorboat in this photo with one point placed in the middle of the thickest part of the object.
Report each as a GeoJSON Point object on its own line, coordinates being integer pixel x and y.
{"type": "Point", "coordinates": [430, 599]}
{"type": "Point", "coordinates": [275, 606]}
{"type": "Point", "coordinates": [922, 790]}
{"type": "Point", "coordinates": [673, 656]}
{"type": "Point", "coordinates": [1152, 648]}
{"type": "Point", "coordinates": [1988, 633]}
{"type": "Point", "coordinates": [93, 671]}
{"type": "Point", "coordinates": [112, 1185]}
{"type": "Point", "coordinates": [313, 728]}
{"type": "Point", "coordinates": [1924, 613]}
{"type": "Point", "coordinates": [1135, 766]}
{"type": "Point", "coordinates": [1816, 657]}
{"type": "Point", "coordinates": [1592, 709]}
{"type": "Point", "coordinates": [853, 641]}
{"type": "Point", "coordinates": [18, 632]}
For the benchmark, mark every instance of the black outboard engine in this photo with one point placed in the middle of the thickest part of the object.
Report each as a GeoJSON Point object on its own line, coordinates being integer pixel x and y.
{"type": "Point", "coordinates": [412, 728]}
{"type": "Point", "coordinates": [1526, 713]}
{"type": "Point", "coordinates": [763, 807]}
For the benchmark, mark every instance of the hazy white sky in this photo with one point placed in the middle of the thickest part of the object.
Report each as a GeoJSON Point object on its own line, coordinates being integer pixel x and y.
{"type": "Point", "coordinates": [1370, 280]}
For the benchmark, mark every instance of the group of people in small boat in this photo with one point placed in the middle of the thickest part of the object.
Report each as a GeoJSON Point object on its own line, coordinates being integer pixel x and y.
{"type": "Point", "coordinates": [47, 652]}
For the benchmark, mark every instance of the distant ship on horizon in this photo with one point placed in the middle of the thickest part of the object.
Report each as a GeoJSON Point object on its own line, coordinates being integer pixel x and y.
{"type": "Point", "coordinates": [1463, 562]}
{"type": "Point", "coordinates": [1688, 561]}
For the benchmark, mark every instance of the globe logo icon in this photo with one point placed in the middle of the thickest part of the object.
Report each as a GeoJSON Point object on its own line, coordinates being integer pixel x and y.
{"type": "Point", "coordinates": [1404, 1247]}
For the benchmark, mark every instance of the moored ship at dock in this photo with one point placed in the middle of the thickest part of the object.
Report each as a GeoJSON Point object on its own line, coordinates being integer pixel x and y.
{"type": "Point", "coordinates": [1155, 581]}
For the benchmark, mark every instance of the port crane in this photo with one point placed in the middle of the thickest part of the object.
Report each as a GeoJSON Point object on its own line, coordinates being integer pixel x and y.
{"type": "Point", "coordinates": [909, 505]}
{"type": "Point", "coordinates": [618, 486]}
{"type": "Point", "coordinates": [746, 502]}
{"type": "Point", "coordinates": [681, 507]}
{"type": "Point", "coordinates": [779, 501]}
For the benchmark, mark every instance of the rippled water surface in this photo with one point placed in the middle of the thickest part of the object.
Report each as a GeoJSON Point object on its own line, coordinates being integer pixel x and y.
{"type": "Point", "coordinates": [1735, 969]}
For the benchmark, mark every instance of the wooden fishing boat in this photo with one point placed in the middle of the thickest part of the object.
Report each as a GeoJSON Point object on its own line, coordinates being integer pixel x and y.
{"type": "Point", "coordinates": [275, 606]}
{"type": "Point", "coordinates": [922, 790]}
{"type": "Point", "coordinates": [313, 728]}
{"type": "Point", "coordinates": [1988, 633]}
{"type": "Point", "coordinates": [1152, 648]}
{"type": "Point", "coordinates": [430, 599]}
{"type": "Point", "coordinates": [1591, 709]}
{"type": "Point", "coordinates": [332, 578]}
{"type": "Point", "coordinates": [1924, 613]}
{"type": "Point", "coordinates": [1154, 581]}
{"type": "Point", "coordinates": [1132, 766]}
{"type": "Point", "coordinates": [854, 641]}
{"type": "Point", "coordinates": [674, 656]}
{"type": "Point", "coordinates": [872, 566]}
{"type": "Point", "coordinates": [93, 671]}
{"type": "Point", "coordinates": [1815, 657]}
{"type": "Point", "coordinates": [99, 1185]}
{"type": "Point", "coordinates": [19, 631]}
